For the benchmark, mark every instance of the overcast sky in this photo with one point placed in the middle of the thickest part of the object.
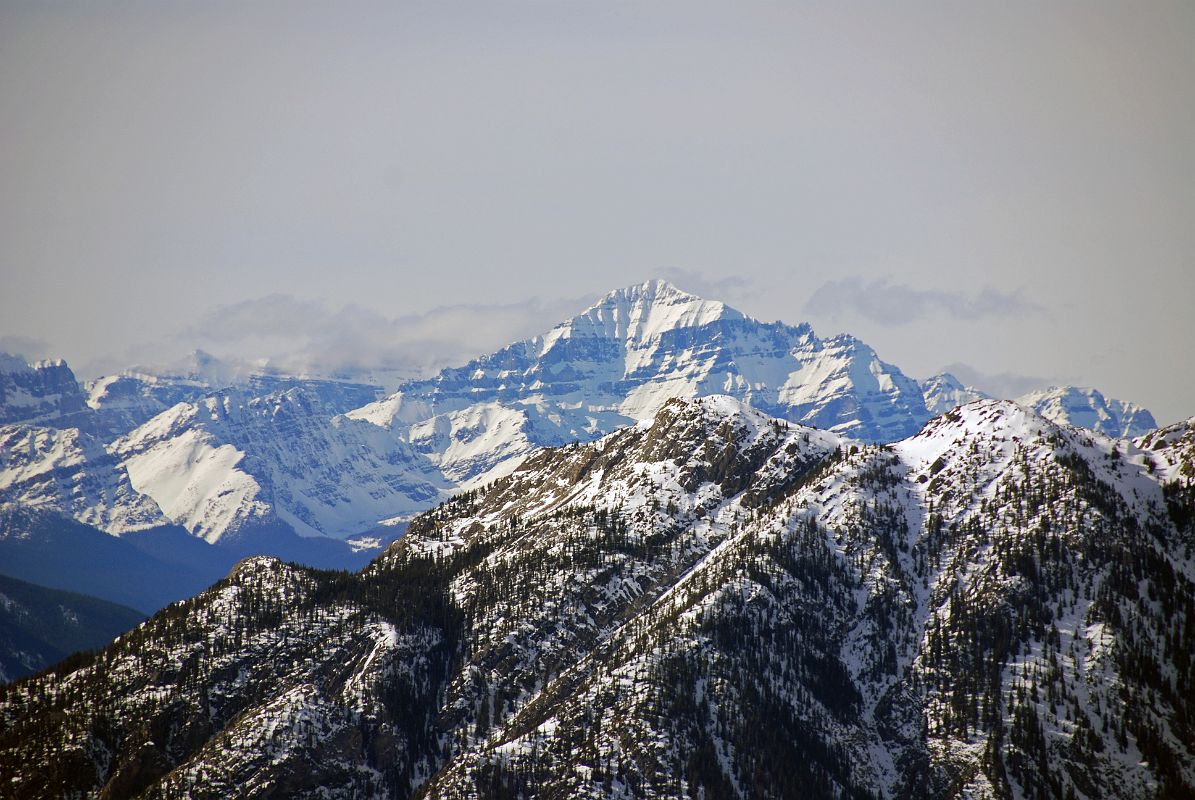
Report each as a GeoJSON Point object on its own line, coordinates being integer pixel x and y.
{"type": "Point", "coordinates": [1006, 187]}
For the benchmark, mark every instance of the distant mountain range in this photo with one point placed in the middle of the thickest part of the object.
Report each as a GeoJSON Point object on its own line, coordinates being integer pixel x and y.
{"type": "Point", "coordinates": [329, 470]}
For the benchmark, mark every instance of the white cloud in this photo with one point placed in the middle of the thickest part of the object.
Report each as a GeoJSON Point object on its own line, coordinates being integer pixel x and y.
{"type": "Point", "coordinates": [303, 336]}
{"type": "Point", "coordinates": [890, 303]}
{"type": "Point", "coordinates": [26, 346]}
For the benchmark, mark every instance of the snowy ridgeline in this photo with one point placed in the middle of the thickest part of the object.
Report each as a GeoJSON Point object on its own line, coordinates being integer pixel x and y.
{"type": "Point", "coordinates": [710, 603]}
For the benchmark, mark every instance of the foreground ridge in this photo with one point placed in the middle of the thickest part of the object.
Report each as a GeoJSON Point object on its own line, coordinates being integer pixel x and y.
{"type": "Point", "coordinates": [710, 603]}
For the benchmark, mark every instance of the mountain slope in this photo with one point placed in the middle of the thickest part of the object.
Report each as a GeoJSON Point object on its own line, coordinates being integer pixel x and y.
{"type": "Point", "coordinates": [145, 570]}
{"type": "Point", "coordinates": [255, 467]}
{"type": "Point", "coordinates": [40, 626]}
{"type": "Point", "coordinates": [47, 393]}
{"type": "Point", "coordinates": [124, 401]}
{"type": "Point", "coordinates": [708, 603]}
{"type": "Point", "coordinates": [1173, 449]}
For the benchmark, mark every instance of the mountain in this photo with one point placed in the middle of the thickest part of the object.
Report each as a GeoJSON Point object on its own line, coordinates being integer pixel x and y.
{"type": "Point", "coordinates": [71, 472]}
{"type": "Point", "coordinates": [711, 602]}
{"type": "Point", "coordinates": [124, 401]}
{"type": "Point", "coordinates": [944, 392]}
{"type": "Point", "coordinates": [1066, 405]}
{"type": "Point", "coordinates": [308, 474]}
{"type": "Point", "coordinates": [40, 626]}
{"type": "Point", "coordinates": [45, 392]}
{"type": "Point", "coordinates": [620, 360]}
{"type": "Point", "coordinates": [131, 398]}
{"type": "Point", "coordinates": [233, 465]}
{"type": "Point", "coordinates": [1087, 408]}
{"type": "Point", "coordinates": [227, 466]}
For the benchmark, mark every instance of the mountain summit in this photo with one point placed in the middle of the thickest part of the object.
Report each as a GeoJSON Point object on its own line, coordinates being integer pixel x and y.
{"type": "Point", "coordinates": [620, 360]}
{"type": "Point", "coordinates": [636, 314]}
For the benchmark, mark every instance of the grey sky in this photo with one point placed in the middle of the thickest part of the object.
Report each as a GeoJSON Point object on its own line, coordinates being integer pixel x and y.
{"type": "Point", "coordinates": [164, 164]}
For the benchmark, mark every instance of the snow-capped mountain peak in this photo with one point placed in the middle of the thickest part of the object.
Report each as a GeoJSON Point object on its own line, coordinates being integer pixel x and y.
{"type": "Point", "coordinates": [997, 424]}
{"type": "Point", "coordinates": [43, 392]}
{"type": "Point", "coordinates": [638, 314]}
{"type": "Point", "coordinates": [1088, 408]}
{"type": "Point", "coordinates": [1174, 447]}
{"type": "Point", "coordinates": [620, 360]}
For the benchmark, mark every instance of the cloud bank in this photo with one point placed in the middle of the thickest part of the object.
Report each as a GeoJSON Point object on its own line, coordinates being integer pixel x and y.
{"type": "Point", "coordinates": [294, 335]}
{"type": "Point", "coordinates": [27, 347]}
{"type": "Point", "coordinates": [889, 303]}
